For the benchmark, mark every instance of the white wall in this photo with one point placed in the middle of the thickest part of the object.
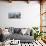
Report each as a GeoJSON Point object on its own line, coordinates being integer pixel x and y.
{"type": "Point", "coordinates": [30, 14]}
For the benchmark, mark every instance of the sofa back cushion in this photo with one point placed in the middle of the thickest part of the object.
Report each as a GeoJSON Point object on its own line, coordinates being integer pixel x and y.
{"type": "Point", "coordinates": [11, 30]}
{"type": "Point", "coordinates": [23, 31]}
{"type": "Point", "coordinates": [17, 30]}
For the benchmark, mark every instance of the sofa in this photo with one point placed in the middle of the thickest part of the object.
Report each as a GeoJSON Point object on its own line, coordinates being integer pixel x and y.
{"type": "Point", "coordinates": [17, 34]}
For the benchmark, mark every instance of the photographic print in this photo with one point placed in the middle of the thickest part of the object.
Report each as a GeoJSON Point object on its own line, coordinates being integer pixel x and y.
{"type": "Point", "coordinates": [16, 15]}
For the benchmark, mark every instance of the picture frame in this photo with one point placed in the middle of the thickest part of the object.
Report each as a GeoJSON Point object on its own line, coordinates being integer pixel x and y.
{"type": "Point", "coordinates": [16, 15]}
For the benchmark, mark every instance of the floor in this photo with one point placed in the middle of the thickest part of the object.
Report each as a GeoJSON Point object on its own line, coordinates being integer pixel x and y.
{"type": "Point", "coordinates": [35, 43]}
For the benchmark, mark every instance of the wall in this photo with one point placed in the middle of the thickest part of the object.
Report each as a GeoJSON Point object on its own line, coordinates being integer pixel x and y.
{"type": "Point", "coordinates": [30, 14]}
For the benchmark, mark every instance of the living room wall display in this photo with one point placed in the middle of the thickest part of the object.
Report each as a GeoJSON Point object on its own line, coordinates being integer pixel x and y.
{"type": "Point", "coordinates": [16, 15]}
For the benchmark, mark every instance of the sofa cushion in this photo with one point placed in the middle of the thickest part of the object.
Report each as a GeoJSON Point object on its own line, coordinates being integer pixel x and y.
{"type": "Point", "coordinates": [11, 30]}
{"type": "Point", "coordinates": [23, 31]}
{"type": "Point", "coordinates": [20, 37]}
{"type": "Point", "coordinates": [17, 30]}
